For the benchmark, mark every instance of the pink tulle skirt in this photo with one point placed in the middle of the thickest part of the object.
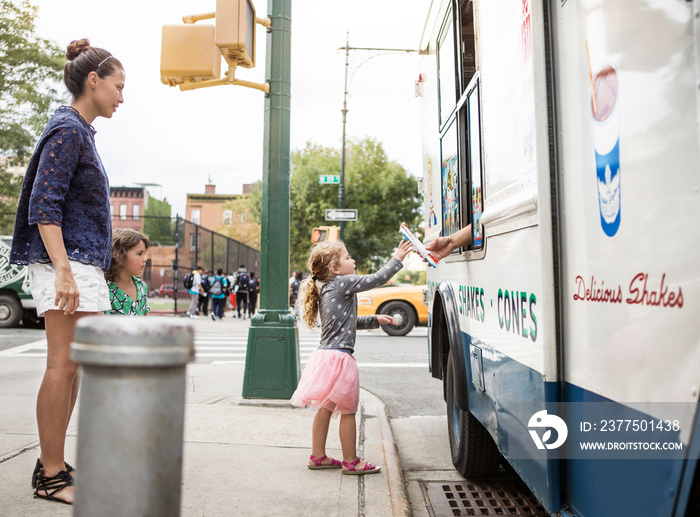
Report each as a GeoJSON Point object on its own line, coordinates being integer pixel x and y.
{"type": "Point", "coordinates": [331, 381]}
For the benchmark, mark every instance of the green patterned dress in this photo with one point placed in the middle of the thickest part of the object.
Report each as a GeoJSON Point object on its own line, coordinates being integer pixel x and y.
{"type": "Point", "coordinates": [122, 302]}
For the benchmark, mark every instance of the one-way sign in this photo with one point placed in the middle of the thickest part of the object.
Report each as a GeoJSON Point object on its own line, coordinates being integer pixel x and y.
{"type": "Point", "coordinates": [338, 214]}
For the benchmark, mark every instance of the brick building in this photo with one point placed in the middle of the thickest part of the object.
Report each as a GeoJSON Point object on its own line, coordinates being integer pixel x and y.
{"type": "Point", "coordinates": [224, 213]}
{"type": "Point", "coordinates": [128, 205]}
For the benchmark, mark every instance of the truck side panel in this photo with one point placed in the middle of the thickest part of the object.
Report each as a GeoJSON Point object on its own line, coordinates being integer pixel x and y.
{"type": "Point", "coordinates": [628, 175]}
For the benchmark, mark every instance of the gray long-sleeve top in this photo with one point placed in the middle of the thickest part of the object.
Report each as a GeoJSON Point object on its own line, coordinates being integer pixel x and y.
{"type": "Point", "coordinates": [338, 306]}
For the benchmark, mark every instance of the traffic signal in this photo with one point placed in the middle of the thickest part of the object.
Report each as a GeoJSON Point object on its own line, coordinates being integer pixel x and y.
{"type": "Point", "coordinates": [325, 233]}
{"type": "Point", "coordinates": [188, 53]}
{"type": "Point", "coordinates": [235, 31]}
{"type": "Point", "coordinates": [191, 54]}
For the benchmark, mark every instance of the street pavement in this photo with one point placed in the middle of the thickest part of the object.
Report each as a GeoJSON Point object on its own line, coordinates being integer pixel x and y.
{"type": "Point", "coordinates": [242, 457]}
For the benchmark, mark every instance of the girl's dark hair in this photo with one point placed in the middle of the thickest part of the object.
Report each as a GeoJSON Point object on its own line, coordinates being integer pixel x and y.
{"type": "Point", "coordinates": [83, 59]}
{"type": "Point", "coordinates": [123, 239]}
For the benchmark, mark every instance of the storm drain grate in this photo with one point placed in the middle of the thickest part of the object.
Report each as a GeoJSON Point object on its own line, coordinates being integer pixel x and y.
{"type": "Point", "coordinates": [487, 497]}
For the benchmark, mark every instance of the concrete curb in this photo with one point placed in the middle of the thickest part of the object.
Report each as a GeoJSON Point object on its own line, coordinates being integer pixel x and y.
{"type": "Point", "coordinates": [398, 488]}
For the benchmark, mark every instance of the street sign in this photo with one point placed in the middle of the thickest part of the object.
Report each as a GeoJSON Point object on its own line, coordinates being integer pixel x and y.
{"type": "Point", "coordinates": [337, 214]}
{"type": "Point", "coordinates": [329, 180]}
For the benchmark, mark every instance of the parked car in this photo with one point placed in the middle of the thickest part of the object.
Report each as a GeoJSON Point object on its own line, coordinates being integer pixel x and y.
{"type": "Point", "coordinates": [166, 291]}
{"type": "Point", "coordinates": [16, 303]}
{"type": "Point", "coordinates": [403, 302]}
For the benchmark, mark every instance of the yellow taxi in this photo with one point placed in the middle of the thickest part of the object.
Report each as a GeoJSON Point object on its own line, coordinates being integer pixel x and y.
{"type": "Point", "coordinates": [403, 302]}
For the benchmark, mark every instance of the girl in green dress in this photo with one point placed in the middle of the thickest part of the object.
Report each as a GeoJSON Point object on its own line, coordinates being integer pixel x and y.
{"type": "Point", "coordinates": [127, 292]}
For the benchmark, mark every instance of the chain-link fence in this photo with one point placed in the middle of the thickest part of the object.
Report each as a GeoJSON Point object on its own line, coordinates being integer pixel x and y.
{"type": "Point", "coordinates": [177, 247]}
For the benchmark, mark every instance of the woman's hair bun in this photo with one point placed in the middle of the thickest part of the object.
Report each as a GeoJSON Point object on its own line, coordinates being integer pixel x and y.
{"type": "Point", "coordinates": [77, 47]}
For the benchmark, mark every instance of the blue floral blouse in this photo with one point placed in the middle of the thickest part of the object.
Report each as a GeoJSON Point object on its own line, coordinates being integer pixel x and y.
{"type": "Point", "coordinates": [65, 185]}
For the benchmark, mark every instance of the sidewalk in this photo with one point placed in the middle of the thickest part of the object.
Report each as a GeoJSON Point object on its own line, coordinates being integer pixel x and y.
{"type": "Point", "coordinates": [242, 457]}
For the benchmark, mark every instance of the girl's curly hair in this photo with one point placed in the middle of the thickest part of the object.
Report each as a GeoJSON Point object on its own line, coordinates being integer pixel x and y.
{"type": "Point", "coordinates": [322, 257]}
{"type": "Point", "coordinates": [123, 239]}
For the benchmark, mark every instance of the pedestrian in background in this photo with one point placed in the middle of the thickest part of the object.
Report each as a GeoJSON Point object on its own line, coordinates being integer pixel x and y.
{"type": "Point", "coordinates": [294, 290]}
{"type": "Point", "coordinates": [241, 289]}
{"type": "Point", "coordinates": [217, 291]}
{"type": "Point", "coordinates": [231, 295]}
{"type": "Point", "coordinates": [128, 294]}
{"type": "Point", "coordinates": [253, 290]}
{"type": "Point", "coordinates": [203, 304]}
{"type": "Point", "coordinates": [331, 380]}
{"type": "Point", "coordinates": [195, 291]}
{"type": "Point", "coordinates": [63, 232]}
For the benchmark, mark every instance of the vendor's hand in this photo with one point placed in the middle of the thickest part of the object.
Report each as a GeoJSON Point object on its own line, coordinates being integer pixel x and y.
{"type": "Point", "coordinates": [384, 319]}
{"type": "Point", "coordinates": [404, 248]}
{"type": "Point", "coordinates": [440, 247]}
{"type": "Point", "coordinates": [67, 294]}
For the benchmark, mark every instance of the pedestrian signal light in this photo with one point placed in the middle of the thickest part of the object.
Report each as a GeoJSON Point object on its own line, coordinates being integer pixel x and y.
{"type": "Point", "coordinates": [318, 235]}
{"type": "Point", "coordinates": [325, 233]}
{"type": "Point", "coordinates": [191, 54]}
{"type": "Point", "coordinates": [235, 31]}
{"type": "Point", "coordinates": [188, 54]}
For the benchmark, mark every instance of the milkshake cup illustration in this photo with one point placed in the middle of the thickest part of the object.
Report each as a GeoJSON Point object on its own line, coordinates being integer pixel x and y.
{"type": "Point", "coordinates": [606, 139]}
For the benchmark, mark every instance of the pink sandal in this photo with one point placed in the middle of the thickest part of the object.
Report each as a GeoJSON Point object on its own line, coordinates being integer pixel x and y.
{"type": "Point", "coordinates": [368, 468]}
{"type": "Point", "coordinates": [334, 464]}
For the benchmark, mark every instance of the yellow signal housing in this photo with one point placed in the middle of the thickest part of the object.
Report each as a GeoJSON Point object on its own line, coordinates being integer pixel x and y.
{"type": "Point", "coordinates": [189, 53]}
{"type": "Point", "coordinates": [325, 233]}
{"type": "Point", "coordinates": [235, 31]}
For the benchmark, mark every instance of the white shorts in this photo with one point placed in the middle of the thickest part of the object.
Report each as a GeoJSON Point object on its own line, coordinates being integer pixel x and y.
{"type": "Point", "coordinates": [92, 286]}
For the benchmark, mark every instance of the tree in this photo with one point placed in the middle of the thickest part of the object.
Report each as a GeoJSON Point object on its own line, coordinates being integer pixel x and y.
{"type": "Point", "coordinates": [244, 226]}
{"type": "Point", "coordinates": [157, 222]}
{"type": "Point", "coordinates": [10, 187]}
{"type": "Point", "coordinates": [30, 70]}
{"type": "Point", "coordinates": [255, 202]}
{"type": "Point", "coordinates": [380, 189]}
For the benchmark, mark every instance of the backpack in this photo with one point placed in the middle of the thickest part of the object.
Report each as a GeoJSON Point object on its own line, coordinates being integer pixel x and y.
{"type": "Point", "coordinates": [188, 281]}
{"type": "Point", "coordinates": [243, 281]}
{"type": "Point", "coordinates": [206, 283]}
{"type": "Point", "coordinates": [216, 287]}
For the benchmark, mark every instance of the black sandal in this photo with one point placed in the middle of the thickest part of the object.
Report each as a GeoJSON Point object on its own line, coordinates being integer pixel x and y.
{"type": "Point", "coordinates": [39, 466]}
{"type": "Point", "coordinates": [53, 485]}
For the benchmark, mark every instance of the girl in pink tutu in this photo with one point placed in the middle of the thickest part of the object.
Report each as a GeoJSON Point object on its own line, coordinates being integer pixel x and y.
{"type": "Point", "coordinates": [330, 380]}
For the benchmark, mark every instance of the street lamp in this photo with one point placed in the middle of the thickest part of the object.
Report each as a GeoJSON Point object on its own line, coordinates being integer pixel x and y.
{"type": "Point", "coordinates": [344, 111]}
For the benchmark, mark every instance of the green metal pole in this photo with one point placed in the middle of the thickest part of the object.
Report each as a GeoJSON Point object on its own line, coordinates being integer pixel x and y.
{"type": "Point", "coordinates": [344, 111]}
{"type": "Point", "coordinates": [272, 356]}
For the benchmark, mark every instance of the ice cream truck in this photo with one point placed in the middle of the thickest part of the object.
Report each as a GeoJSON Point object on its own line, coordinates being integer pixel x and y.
{"type": "Point", "coordinates": [566, 333]}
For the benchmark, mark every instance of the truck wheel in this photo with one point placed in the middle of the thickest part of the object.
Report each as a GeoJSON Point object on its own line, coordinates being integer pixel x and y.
{"type": "Point", "coordinates": [11, 311]}
{"type": "Point", "coordinates": [474, 453]}
{"type": "Point", "coordinates": [404, 315]}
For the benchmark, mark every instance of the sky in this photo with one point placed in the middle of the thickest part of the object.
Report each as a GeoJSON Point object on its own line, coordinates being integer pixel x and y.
{"type": "Point", "coordinates": [181, 139]}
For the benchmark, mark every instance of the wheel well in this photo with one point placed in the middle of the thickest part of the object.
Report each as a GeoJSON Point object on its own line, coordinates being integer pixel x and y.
{"type": "Point", "coordinates": [9, 292]}
{"type": "Point", "coordinates": [440, 340]}
{"type": "Point", "coordinates": [445, 334]}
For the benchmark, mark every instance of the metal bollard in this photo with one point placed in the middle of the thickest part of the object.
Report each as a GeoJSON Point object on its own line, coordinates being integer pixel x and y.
{"type": "Point", "coordinates": [131, 417]}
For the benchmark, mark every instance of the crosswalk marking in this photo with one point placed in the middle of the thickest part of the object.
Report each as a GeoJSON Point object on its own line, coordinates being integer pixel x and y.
{"type": "Point", "coordinates": [217, 349]}
{"type": "Point", "coordinates": [23, 350]}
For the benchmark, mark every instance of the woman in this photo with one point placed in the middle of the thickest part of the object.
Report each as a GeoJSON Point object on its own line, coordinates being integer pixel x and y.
{"type": "Point", "coordinates": [63, 232]}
